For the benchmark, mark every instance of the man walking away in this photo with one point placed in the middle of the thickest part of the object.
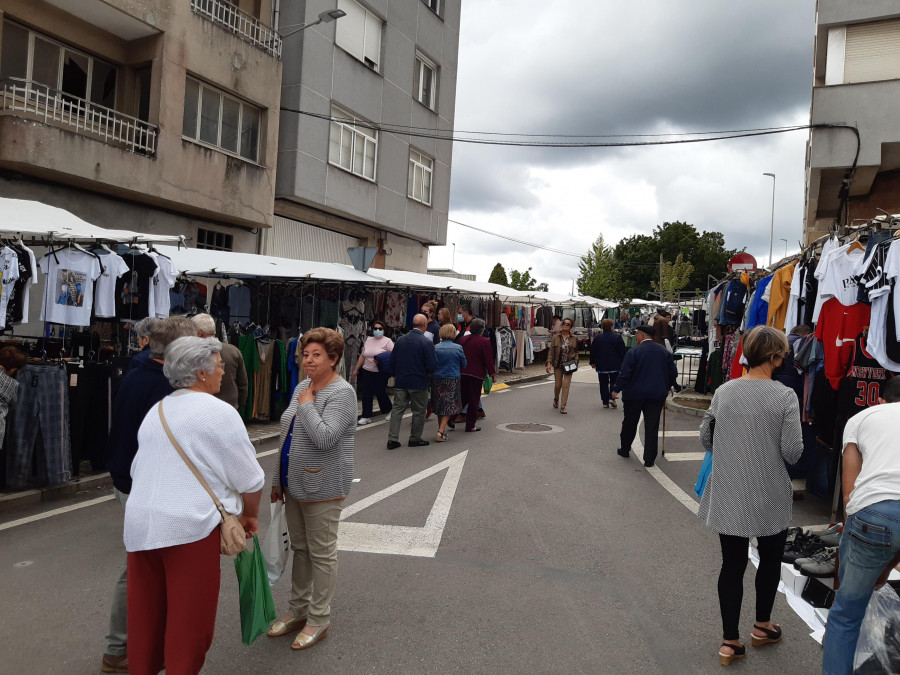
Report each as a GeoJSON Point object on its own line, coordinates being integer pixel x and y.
{"type": "Point", "coordinates": [234, 382]}
{"type": "Point", "coordinates": [870, 545]}
{"type": "Point", "coordinates": [413, 361]}
{"type": "Point", "coordinates": [140, 390]}
{"type": "Point", "coordinates": [648, 372]}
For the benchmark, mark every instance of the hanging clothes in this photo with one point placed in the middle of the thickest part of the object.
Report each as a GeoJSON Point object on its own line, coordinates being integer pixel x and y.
{"type": "Point", "coordinates": [779, 296]}
{"type": "Point", "coordinates": [163, 280]}
{"type": "Point", "coordinates": [758, 311]}
{"type": "Point", "coordinates": [113, 267]}
{"type": "Point", "coordinates": [69, 290]}
{"type": "Point", "coordinates": [247, 345]}
{"type": "Point", "coordinates": [878, 276]}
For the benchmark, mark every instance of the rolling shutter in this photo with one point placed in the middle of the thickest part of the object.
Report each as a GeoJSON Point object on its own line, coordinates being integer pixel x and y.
{"type": "Point", "coordinates": [872, 52]}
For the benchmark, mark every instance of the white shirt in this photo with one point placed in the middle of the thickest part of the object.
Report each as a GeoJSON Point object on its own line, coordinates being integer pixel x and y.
{"type": "Point", "coordinates": [836, 273]}
{"type": "Point", "coordinates": [879, 294]}
{"type": "Point", "coordinates": [874, 431]}
{"type": "Point", "coordinates": [35, 275]}
{"type": "Point", "coordinates": [9, 274]}
{"type": "Point", "coordinates": [69, 291]}
{"type": "Point", "coordinates": [163, 281]}
{"type": "Point", "coordinates": [167, 505]}
{"type": "Point", "coordinates": [113, 267]}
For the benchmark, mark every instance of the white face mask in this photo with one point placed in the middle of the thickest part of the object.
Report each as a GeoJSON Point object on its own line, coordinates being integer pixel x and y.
{"type": "Point", "coordinates": [377, 333]}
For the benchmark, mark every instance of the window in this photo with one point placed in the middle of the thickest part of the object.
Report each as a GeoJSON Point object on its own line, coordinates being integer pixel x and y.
{"type": "Point", "coordinates": [30, 56]}
{"type": "Point", "coordinates": [351, 147]}
{"type": "Point", "coordinates": [215, 118]}
{"type": "Point", "coordinates": [424, 82]}
{"type": "Point", "coordinates": [216, 241]}
{"type": "Point", "coordinates": [419, 183]}
{"type": "Point", "coordinates": [359, 33]}
{"type": "Point", "coordinates": [433, 5]}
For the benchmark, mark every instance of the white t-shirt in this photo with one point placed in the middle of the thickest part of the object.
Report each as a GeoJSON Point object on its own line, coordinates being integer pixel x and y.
{"type": "Point", "coordinates": [35, 275]}
{"type": "Point", "coordinates": [163, 281]}
{"type": "Point", "coordinates": [836, 274]}
{"type": "Point", "coordinates": [876, 273]}
{"type": "Point", "coordinates": [69, 291]}
{"type": "Point", "coordinates": [167, 505]}
{"type": "Point", "coordinates": [9, 274]}
{"type": "Point", "coordinates": [105, 291]}
{"type": "Point", "coordinates": [874, 431]}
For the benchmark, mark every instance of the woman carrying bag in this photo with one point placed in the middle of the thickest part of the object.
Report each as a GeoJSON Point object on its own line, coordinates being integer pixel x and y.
{"type": "Point", "coordinates": [563, 359]}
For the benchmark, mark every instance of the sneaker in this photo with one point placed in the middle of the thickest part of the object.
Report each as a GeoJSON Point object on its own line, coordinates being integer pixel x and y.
{"type": "Point", "coordinates": [114, 663]}
{"type": "Point", "coordinates": [832, 536]}
{"type": "Point", "coordinates": [822, 565]}
{"type": "Point", "coordinates": [805, 545]}
{"type": "Point", "coordinates": [363, 421]}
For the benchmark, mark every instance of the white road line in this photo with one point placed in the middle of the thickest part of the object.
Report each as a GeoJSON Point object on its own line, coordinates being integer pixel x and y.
{"type": "Point", "coordinates": [55, 512]}
{"type": "Point", "coordinates": [685, 456]}
{"type": "Point", "coordinates": [686, 500]}
{"type": "Point", "coordinates": [536, 384]}
{"type": "Point", "coordinates": [681, 434]}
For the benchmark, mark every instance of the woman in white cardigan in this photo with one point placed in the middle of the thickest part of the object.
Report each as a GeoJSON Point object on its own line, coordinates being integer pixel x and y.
{"type": "Point", "coordinates": [172, 524]}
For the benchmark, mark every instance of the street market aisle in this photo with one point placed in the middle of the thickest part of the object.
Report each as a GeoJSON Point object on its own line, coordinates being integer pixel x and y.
{"type": "Point", "coordinates": [531, 547]}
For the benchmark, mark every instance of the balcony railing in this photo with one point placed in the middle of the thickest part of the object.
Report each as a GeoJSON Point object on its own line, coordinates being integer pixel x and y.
{"type": "Point", "coordinates": [60, 109]}
{"type": "Point", "coordinates": [245, 26]}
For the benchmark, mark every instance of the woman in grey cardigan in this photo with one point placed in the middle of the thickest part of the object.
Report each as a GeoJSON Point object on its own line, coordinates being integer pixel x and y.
{"type": "Point", "coordinates": [314, 477]}
{"type": "Point", "coordinates": [752, 428]}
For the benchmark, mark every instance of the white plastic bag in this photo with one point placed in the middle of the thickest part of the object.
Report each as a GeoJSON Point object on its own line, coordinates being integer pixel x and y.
{"type": "Point", "coordinates": [878, 649]}
{"type": "Point", "coordinates": [277, 543]}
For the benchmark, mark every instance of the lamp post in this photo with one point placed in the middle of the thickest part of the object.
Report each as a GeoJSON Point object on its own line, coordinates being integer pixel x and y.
{"type": "Point", "coordinates": [324, 17]}
{"type": "Point", "coordinates": [772, 228]}
{"type": "Point", "coordinates": [785, 246]}
{"type": "Point", "coordinates": [453, 264]}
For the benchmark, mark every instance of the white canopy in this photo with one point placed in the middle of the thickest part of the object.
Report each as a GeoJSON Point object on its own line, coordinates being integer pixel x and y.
{"type": "Point", "coordinates": [418, 280]}
{"type": "Point", "coordinates": [35, 219]}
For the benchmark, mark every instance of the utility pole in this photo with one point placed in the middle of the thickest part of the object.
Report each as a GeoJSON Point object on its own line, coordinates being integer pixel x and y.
{"type": "Point", "coordinates": [661, 278]}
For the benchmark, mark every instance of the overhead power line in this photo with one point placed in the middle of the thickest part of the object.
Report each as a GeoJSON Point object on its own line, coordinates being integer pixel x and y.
{"type": "Point", "coordinates": [518, 241]}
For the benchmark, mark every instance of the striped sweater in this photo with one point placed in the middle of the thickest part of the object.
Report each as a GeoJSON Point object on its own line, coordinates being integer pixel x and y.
{"type": "Point", "coordinates": [320, 466]}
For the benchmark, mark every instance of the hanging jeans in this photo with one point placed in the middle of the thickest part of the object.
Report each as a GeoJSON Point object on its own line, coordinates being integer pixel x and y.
{"type": "Point", "coordinates": [40, 421]}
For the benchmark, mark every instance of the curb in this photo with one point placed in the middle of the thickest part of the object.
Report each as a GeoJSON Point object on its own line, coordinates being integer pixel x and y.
{"type": "Point", "coordinates": [684, 410]}
{"type": "Point", "coordinates": [524, 380]}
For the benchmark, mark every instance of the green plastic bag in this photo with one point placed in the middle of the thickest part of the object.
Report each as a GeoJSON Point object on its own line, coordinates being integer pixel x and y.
{"type": "Point", "coordinates": [257, 606]}
{"type": "Point", "coordinates": [488, 383]}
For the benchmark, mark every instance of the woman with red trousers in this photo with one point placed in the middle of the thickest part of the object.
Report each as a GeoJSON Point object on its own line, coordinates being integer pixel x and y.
{"type": "Point", "coordinates": [479, 364]}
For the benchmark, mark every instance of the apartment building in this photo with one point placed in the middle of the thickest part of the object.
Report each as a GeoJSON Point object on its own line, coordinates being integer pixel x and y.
{"type": "Point", "coordinates": [151, 115]}
{"type": "Point", "coordinates": [362, 98]}
{"type": "Point", "coordinates": [856, 81]}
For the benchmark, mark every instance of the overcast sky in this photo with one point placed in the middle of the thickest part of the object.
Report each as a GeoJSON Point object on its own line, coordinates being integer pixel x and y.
{"type": "Point", "coordinates": [612, 67]}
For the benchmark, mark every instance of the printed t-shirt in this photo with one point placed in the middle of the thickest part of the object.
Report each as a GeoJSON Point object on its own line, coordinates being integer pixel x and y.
{"type": "Point", "coordinates": [163, 281]}
{"type": "Point", "coordinates": [880, 269]}
{"type": "Point", "coordinates": [69, 290]}
{"type": "Point", "coordinates": [9, 269]}
{"type": "Point", "coordinates": [134, 290]}
{"type": "Point", "coordinates": [113, 267]}
{"type": "Point", "coordinates": [837, 277]}
{"type": "Point", "coordinates": [14, 313]}
{"type": "Point", "coordinates": [837, 329]}
{"type": "Point", "coordinates": [35, 275]}
{"type": "Point", "coordinates": [874, 431]}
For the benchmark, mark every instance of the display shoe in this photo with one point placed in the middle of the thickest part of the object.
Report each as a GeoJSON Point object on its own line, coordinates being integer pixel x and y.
{"type": "Point", "coordinates": [815, 557]}
{"type": "Point", "coordinates": [771, 636]}
{"type": "Point", "coordinates": [832, 536]}
{"type": "Point", "coordinates": [740, 651]}
{"type": "Point", "coordinates": [791, 535]}
{"type": "Point", "coordinates": [822, 565]}
{"type": "Point", "coordinates": [285, 625]}
{"type": "Point", "coordinates": [805, 545]}
{"type": "Point", "coordinates": [304, 641]}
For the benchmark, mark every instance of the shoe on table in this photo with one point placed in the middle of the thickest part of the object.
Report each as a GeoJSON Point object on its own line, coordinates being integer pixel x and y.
{"type": "Point", "coordinates": [391, 445]}
{"type": "Point", "coordinates": [114, 663]}
{"type": "Point", "coordinates": [417, 444]}
{"type": "Point", "coordinates": [363, 421]}
{"type": "Point", "coordinates": [822, 565]}
{"type": "Point", "coordinates": [805, 545]}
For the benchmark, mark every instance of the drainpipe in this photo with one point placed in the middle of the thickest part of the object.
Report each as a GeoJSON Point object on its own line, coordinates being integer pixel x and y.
{"type": "Point", "coordinates": [276, 15]}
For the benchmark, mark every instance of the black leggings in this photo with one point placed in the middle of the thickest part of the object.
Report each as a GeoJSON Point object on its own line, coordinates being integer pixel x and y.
{"type": "Point", "coordinates": [731, 579]}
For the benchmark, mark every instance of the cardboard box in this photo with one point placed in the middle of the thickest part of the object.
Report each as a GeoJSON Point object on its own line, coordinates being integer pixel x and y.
{"type": "Point", "coordinates": [792, 578]}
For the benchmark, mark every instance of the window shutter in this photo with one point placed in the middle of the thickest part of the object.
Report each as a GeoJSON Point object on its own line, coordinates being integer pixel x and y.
{"type": "Point", "coordinates": [334, 143]}
{"type": "Point", "coordinates": [409, 179]}
{"type": "Point", "coordinates": [872, 52]}
{"type": "Point", "coordinates": [426, 188]}
{"type": "Point", "coordinates": [350, 33]}
{"type": "Point", "coordinates": [373, 39]}
{"type": "Point", "coordinates": [346, 148]}
{"type": "Point", "coordinates": [371, 149]}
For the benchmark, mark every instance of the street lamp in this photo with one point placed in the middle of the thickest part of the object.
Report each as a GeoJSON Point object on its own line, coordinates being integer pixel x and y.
{"type": "Point", "coordinates": [785, 246]}
{"type": "Point", "coordinates": [772, 229]}
{"type": "Point", "coordinates": [324, 17]}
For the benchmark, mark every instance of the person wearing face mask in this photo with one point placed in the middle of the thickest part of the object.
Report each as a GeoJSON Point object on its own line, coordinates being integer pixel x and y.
{"type": "Point", "coordinates": [370, 381]}
{"type": "Point", "coordinates": [752, 428]}
{"type": "Point", "coordinates": [464, 318]}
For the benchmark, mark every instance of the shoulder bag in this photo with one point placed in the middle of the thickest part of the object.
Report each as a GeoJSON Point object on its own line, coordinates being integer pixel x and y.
{"type": "Point", "coordinates": [569, 365]}
{"type": "Point", "coordinates": [232, 538]}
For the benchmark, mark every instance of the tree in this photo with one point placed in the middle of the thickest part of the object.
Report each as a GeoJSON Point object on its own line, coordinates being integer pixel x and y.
{"type": "Point", "coordinates": [599, 275]}
{"type": "Point", "coordinates": [523, 281]}
{"type": "Point", "coordinates": [498, 276]}
{"type": "Point", "coordinates": [673, 277]}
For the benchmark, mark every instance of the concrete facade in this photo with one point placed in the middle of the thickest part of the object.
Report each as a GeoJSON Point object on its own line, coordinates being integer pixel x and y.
{"type": "Point", "coordinates": [856, 81]}
{"type": "Point", "coordinates": [321, 76]}
{"type": "Point", "coordinates": [181, 185]}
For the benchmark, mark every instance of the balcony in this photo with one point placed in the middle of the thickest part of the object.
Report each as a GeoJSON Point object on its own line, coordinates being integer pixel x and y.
{"type": "Point", "coordinates": [245, 26]}
{"type": "Point", "coordinates": [59, 109]}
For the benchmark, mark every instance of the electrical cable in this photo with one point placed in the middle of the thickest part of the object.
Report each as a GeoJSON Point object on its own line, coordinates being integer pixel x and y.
{"type": "Point", "coordinates": [518, 241]}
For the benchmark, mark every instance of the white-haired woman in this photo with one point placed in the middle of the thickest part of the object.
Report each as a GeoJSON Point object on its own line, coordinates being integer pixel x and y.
{"type": "Point", "coordinates": [171, 523]}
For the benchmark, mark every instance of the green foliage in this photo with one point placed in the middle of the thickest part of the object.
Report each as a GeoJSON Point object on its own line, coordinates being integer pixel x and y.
{"type": "Point", "coordinates": [523, 281]}
{"type": "Point", "coordinates": [498, 276]}
{"type": "Point", "coordinates": [673, 277]}
{"type": "Point", "coordinates": [599, 274]}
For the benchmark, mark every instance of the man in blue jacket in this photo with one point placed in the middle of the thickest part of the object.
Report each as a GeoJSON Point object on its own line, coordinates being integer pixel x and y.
{"type": "Point", "coordinates": [413, 361]}
{"type": "Point", "coordinates": [648, 372]}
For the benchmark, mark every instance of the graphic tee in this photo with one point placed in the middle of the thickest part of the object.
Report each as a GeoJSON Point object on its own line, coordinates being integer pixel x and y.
{"type": "Point", "coordinates": [134, 289]}
{"type": "Point", "coordinates": [35, 275]}
{"type": "Point", "coordinates": [163, 281]}
{"type": "Point", "coordinates": [878, 276]}
{"type": "Point", "coordinates": [837, 329]}
{"type": "Point", "coordinates": [69, 291]}
{"type": "Point", "coordinates": [837, 277]}
{"type": "Point", "coordinates": [861, 388]}
{"type": "Point", "coordinates": [9, 274]}
{"type": "Point", "coordinates": [113, 267]}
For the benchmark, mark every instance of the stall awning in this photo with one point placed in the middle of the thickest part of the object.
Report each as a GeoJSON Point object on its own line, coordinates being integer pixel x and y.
{"type": "Point", "coordinates": [433, 281]}
{"type": "Point", "coordinates": [35, 219]}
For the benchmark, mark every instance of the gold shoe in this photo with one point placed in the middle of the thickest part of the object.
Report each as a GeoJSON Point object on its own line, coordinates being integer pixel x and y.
{"type": "Point", "coordinates": [304, 641]}
{"type": "Point", "coordinates": [286, 625]}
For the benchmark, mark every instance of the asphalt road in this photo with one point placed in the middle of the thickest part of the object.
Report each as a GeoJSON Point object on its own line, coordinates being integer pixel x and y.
{"type": "Point", "coordinates": [551, 554]}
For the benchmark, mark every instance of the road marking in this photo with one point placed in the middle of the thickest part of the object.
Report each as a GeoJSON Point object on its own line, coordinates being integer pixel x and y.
{"type": "Point", "coordinates": [689, 503]}
{"type": "Point", "coordinates": [536, 384]}
{"type": "Point", "coordinates": [681, 434]}
{"type": "Point", "coordinates": [399, 540]}
{"type": "Point", "coordinates": [685, 456]}
{"type": "Point", "coordinates": [55, 512]}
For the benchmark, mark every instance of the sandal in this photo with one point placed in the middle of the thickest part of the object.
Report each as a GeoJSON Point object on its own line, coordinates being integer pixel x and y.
{"type": "Point", "coordinates": [738, 652]}
{"type": "Point", "coordinates": [612, 404]}
{"type": "Point", "coordinates": [285, 625]}
{"type": "Point", "coordinates": [440, 437]}
{"type": "Point", "coordinates": [563, 410]}
{"type": "Point", "coordinates": [772, 636]}
{"type": "Point", "coordinates": [556, 403]}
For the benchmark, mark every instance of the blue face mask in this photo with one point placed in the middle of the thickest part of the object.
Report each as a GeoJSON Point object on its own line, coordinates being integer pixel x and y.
{"type": "Point", "coordinates": [377, 333]}
{"type": "Point", "coordinates": [459, 318]}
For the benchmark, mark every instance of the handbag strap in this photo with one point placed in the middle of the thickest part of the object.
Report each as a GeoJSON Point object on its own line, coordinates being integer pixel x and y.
{"type": "Point", "coordinates": [190, 464]}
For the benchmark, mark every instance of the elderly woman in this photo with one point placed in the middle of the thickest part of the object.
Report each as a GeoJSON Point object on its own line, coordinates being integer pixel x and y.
{"type": "Point", "coordinates": [316, 471]}
{"type": "Point", "coordinates": [172, 524]}
{"type": "Point", "coordinates": [445, 390]}
{"type": "Point", "coordinates": [752, 428]}
{"type": "Point", "coordinates": [563, 348]}
{"type": "Point", "coordinates": [479, 364]}
{"type": "Point", "coordinates": [607, 352]}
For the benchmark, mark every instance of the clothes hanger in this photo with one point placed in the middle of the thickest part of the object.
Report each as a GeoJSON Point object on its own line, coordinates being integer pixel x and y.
{"type": "Point", "coordinates": [855, 246]}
